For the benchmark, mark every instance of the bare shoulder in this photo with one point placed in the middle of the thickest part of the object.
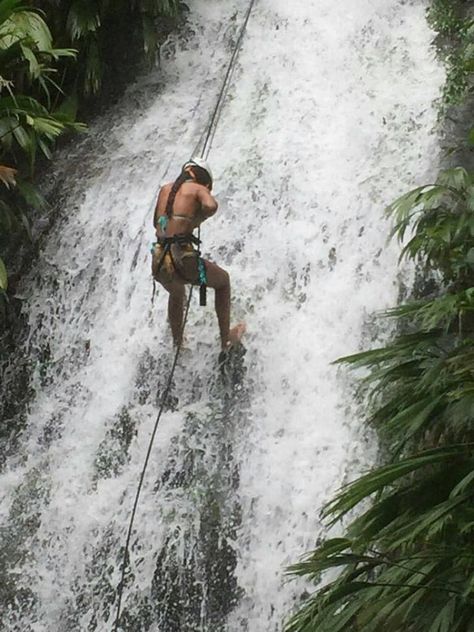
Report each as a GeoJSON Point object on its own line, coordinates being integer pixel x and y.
{"type": "Point", "coordinates": [192, 187]}
{"type": "Point", "coordinates": [198, 191]}
{"type": "Point", "coordinates": [164, 192]}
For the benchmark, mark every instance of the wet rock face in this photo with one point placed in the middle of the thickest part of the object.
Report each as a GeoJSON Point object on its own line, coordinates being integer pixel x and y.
{"type": "Point", "coordinates": [194, 586]}
{"type": "Point", "coordinates": [112, 454]}
{"type": "Point", "coordinates": [200, 593]}
{"type": "Point", "coordinates": [15, 393]}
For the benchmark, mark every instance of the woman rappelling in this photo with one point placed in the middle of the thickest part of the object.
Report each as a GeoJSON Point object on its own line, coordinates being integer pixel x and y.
{"type": "Point", "coordinates": [181, 207]}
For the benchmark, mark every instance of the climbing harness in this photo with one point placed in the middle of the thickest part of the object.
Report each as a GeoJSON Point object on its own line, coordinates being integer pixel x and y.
{"type": "Point", "coordinates": [182, 244]}
{"type": "Point", "coordinates": [203, 284]}
{"type": "Point", "coordinates": [170, 255]}
{"type": "Point", "coordinates": [173, 250]}
{"type": "Point", "coordinates": [171, 263]}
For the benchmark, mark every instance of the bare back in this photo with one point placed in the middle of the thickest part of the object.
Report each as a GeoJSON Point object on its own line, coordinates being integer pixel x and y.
{"type": "Point", "coordinates": [192, 205]}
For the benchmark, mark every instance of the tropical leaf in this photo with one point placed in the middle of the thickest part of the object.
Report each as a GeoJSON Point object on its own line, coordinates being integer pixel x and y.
{"type": "Point", "coordinates": [8, 7]}
{"type": "Point", "coordinates": [444, 619]}
{"type": "Point", "coordinates": [31, 194]}
{"type": "Point", "coordinates": [440, 311]}
{"type": "Point", "coordinates": [82, 19]}
{"type": "Point", "coordinates": [26, 26]}
{"type": "Point", "coordinates": [3, 276]}
{"type": "Point", "coordinates": [365, 486]}
{"type": "Point", "coordinates": [7, 176]}
{"type": "Point", "coordinates": [34, 65]}
{"type": "Point", "coordinates": [457, 178]}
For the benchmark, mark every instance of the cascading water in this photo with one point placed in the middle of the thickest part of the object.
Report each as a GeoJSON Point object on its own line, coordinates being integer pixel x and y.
{"type": "Point", "coordinates": [329, 117]}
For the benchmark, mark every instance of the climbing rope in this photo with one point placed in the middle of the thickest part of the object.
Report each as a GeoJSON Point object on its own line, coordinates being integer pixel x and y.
{"type": "Point", "coordinates": [211, 129]}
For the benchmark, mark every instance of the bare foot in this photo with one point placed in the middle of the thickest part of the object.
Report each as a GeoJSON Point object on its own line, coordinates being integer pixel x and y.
{"type": "Point", "coordinates": [235, 334]}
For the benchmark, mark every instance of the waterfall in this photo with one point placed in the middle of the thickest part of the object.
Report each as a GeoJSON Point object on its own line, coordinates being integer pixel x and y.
{"type": "Point", "coordinates": [330, 115]}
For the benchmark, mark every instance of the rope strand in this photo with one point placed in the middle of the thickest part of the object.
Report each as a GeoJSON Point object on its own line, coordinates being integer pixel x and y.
{"type": "Point", "coordinates": [225, 85]}
{"type": "Point", "coordinates": [145, 465]}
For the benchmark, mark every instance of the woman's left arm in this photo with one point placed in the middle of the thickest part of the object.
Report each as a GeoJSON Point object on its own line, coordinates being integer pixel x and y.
{"type": "Point", "coordinates": [156, 213]}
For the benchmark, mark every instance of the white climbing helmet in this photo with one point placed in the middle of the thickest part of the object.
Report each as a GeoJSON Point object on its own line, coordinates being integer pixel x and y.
{"type": "Point", "coordinates": [200, 162]}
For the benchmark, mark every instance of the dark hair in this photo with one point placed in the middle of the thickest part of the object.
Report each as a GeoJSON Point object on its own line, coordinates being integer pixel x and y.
{"type": "Point", "coordinates": [201, 175]}
{"type": "Point", "coordinates": [180, 180]}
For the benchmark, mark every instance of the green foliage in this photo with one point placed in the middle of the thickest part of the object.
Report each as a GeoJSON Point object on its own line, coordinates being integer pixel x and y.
{"type": "Point", "coordinates": [441, 220]}
{"type": "Point", "coordinates": [26, 48]}
{"type": "Point", "coordinates": [443, 311]}
{"type": "Point", "coordinates": [407, 561]}
{"type": "Point", "coordinates": [84, 24]}
{"type": "Point", "coordinates": [457, 41]}
{"type": "Point", "coordinates": [27, 125]}
{"type": "Point", "coordinates": [445, 17]}
{"type": "Point", "coordinates": [27, 122]}
{"type": "Point", "coordinates": [421, 389]}
{"type": "Point", "coordinates": [41, 84]}
{"type": "Point", "coordinates": [3, 277]}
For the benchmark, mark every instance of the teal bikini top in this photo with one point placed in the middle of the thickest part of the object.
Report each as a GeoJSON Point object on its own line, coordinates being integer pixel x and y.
{"type": "Point", "coordinates": [163, 220]}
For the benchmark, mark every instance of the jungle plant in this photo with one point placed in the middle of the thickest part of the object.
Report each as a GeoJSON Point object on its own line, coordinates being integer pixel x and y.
{"type": "Point", "coordinates": [446, 17]}
{"type": "Point", "coordinates": [441, 218]}
{"type": "Point", "coordinates": [27, 82]}
{"type": "Point", "coordinates": [456, 39]}
{"type": "Point", "coordinates": [27, 122]}
{"type": "Point", "coordinates": [407, 561]}
{"type": "Point", "coordinates": [85, 24]}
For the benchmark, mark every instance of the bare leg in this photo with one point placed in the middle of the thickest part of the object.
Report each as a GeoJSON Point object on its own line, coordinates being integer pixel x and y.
{"type": "Point", "coordinates": [176, 310]}
{"type": "Point", "coordinates": [218, 279]}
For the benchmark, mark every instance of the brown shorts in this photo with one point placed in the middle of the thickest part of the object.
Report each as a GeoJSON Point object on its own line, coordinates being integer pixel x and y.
{"type": "Point", "coordinates": [180, 263]}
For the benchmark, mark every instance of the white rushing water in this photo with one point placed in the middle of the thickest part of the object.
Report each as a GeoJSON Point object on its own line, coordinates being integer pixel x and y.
{"type": "Point", "coordinates": [329, 117]}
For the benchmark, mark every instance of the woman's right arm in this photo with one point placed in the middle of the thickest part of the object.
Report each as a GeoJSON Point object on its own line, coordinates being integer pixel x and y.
{"type": "Point", "coordinates": [208, 202]}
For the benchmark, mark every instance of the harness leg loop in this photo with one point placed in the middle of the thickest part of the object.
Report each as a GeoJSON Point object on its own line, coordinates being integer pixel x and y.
{"type": "Point", "coordinates": [202, 281]}
{"type": "Point", "coordinates": [203, 295]}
